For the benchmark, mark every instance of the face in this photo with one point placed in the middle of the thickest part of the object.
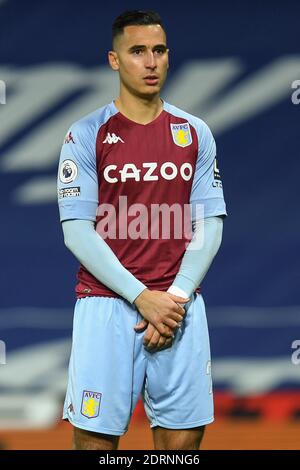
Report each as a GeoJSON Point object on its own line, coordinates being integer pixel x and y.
{"type": "Point", "coordinates": [141, 57]}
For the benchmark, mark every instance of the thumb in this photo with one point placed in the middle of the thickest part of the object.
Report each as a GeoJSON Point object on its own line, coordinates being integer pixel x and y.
{"type": "Point", "coordinates": [141, 325]}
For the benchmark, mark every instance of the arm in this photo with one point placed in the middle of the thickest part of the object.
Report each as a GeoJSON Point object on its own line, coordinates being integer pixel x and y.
{"type": "Point", "coordinates": [91, 250]}
{"type": "Point", "coordinates": [197, 259]}
{"type": "Point", "coordinates": [94, 253]}
{"type": "Point", "coordinates": [194, 266]}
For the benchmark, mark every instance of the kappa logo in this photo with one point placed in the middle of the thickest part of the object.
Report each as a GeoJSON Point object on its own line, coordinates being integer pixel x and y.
{"type": "Point", "coordinates": [112, 139]}
{"type": "Point", "coordinates": [69, 138]}
{"type": "Point", "coordinates": [90, 405]}
{"type": "Point", "coordinates": [71, 408]}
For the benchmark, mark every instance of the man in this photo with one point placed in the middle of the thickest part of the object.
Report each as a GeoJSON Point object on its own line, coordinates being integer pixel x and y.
{"type": "Point", "coordinates": [127, 172]}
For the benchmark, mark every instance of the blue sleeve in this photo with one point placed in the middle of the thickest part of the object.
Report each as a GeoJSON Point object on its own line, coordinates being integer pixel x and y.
{"type": "Point", "coordinates": [84, 242]}
{"type": "Point", "coordinates": [207, 199]}
{"type": "Point", "coordinates": [77, 181]}
{"type": "Point", "coordinates": [198, 256]}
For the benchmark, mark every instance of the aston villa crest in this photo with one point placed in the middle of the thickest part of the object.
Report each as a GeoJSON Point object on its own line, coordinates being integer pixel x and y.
{"type": "Point", "coordinates": [181, 134]}
{"type": "Point", "coordinates": [90, 405]}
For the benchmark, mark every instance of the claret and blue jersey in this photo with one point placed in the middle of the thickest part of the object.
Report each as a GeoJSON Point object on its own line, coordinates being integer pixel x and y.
{"type": "Point", "coordinates": [117, 173]}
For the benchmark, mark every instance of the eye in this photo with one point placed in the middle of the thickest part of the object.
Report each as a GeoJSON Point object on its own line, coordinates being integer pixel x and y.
{"type": "Point", "coordinates": [137, 52]}
{"type": "Point", "coordinates": [160, 51]}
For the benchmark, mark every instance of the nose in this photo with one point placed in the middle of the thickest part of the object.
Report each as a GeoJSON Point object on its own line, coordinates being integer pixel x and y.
{"type": "Point", "coordinates": [150, 61]}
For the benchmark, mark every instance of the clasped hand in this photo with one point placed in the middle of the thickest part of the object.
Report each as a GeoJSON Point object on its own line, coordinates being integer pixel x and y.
{"type": "Point", "coordinates": [162, 314]}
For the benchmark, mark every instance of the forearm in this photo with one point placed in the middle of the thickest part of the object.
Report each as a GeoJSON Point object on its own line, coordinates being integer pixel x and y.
{"type": "Point", "coordinates": [198, 257]}
{"type": "Point", "coordinates": [96, 256]}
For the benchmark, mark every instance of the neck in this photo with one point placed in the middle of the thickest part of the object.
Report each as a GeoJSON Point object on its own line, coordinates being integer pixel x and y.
{"type": "Point", "coordinates": [137, 109]}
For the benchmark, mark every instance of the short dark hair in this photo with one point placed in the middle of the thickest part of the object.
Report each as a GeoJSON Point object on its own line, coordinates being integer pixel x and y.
{"type": "Point", "coordinates": [136, 18]}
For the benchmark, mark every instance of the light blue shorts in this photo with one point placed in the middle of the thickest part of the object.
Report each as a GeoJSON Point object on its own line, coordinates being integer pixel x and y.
{"type": "Point", "coordinates": [110, 369]}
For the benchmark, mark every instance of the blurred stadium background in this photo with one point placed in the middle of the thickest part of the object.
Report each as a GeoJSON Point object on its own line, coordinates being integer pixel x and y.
{"type": "Point", "coordinates": [233, 64]}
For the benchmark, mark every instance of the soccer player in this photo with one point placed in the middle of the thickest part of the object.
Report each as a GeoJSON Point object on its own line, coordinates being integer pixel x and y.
{"type": "Point", "coordinates": [127, 173]}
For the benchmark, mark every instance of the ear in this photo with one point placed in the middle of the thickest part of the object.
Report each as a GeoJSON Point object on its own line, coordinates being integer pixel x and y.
{"type": "Point", "coordinates": [113, 60]}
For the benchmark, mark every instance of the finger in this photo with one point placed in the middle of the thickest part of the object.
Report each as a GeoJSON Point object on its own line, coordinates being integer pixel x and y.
{"type": "Point", "coordinates": [176, 309]}
{"type": "Point", "coordinates": [152, 344]}
{"type": "Point", "coordinates": [141, 325]}
{"type": "Point", "coordinates": [162, 328]}
{"type": "Point", "coordinates": [168, 343]}
{"type": "Point", "coordinates": [149, 333]}
{"type": "Point", "coordinates": [182, 309]}
{"type": "Point", "coordinates": [179, 310]}
{"type": "Point", "coordinates": [169, 333]}
{"type": "Point", "coordinates": [176, 317]}
{"type": "Point", "coordinates": [170, 327]}
{"type": "Point", "coordinates": [161, 342]}
{"type": "Point", "coordinates": [180, 300]}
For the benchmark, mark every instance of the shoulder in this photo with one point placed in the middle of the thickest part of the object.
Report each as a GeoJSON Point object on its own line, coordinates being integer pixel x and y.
{"type": "Point", "coordinates": [203, 131]}
{"type": "Point", "coordinates": [89, 125]}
